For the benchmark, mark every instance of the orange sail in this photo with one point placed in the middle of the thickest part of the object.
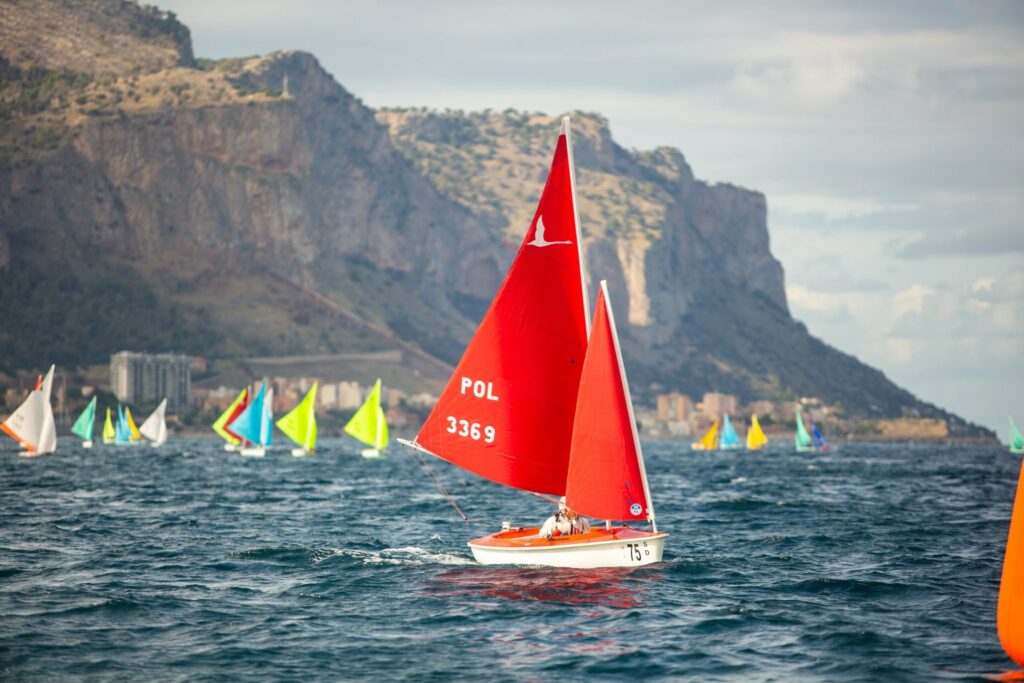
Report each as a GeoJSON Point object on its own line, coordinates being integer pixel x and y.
{"type": "Point", "coordinates": [606, 475]}
{"type": "Point", "coordinates": [1010, 614]}
{"type": "Point", "coordinates": [507, 412]}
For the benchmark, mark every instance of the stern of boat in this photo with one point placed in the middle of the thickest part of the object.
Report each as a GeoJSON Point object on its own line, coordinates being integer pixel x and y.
{"type": "Point", "coordinates": [615, 547]}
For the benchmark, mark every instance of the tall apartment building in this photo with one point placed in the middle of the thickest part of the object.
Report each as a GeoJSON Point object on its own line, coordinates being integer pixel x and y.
{"type": "Point", "coordinates": [149, 377]}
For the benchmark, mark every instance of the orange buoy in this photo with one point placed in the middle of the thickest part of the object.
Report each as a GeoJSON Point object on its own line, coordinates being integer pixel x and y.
{"type": "Point", "coordinates": [1010, 614]}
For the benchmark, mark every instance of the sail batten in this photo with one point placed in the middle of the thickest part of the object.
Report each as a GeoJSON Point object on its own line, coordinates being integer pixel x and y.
{"type": "Point", "coordinates": [507, 411]}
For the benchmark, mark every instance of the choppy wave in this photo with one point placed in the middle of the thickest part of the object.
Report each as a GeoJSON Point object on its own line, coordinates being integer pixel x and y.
{"type": "Point", "coordinates": [875, 563]}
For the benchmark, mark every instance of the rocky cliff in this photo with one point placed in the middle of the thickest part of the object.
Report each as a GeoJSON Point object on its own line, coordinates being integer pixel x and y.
{"type": "Point", "coordinates": [255, 207]}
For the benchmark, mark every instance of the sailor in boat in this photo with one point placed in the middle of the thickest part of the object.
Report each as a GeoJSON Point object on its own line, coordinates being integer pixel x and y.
{"type": "Point", "coordinates": [565, 522]}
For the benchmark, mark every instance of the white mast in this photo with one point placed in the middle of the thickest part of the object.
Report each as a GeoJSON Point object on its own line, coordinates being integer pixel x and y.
{"type": "Point", "coordinates": [629, 407]}
{"type": "Point", "coordinates": [567, 130]}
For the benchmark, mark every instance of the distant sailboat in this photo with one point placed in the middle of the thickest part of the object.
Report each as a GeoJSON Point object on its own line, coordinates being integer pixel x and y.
{"type": "Point", "coordinates": [155, 426]}
{"type": "Point", "coordinates": [369, 425]}
{"type": "Point", "coordinates": [125, 432]}
{"type": "Point", "coordinates": [300, 424]}
{"type": "Point", "coordinates": [227, 417]}
{"type": "Point", "coordinates": [32, 424]}
{"type": "Point", "coordinates": [255, 424]}
{"type": "Point", "coordinates": [729, 441]}
{"type": "Point", "coordinates": [756, 439]}
{"type": "Point", "coordinates": [86, 424]}
{"type": "Point", "coordinates": [1016, 440]}
{"type": "Point", "coordinates": [818, 439]}
{"type": "Point", "coordinates": [109, 433]}
{"type": "Point", "coordinates": [802, 438]}
{"type": "Point", "coordinates": [709, 441]}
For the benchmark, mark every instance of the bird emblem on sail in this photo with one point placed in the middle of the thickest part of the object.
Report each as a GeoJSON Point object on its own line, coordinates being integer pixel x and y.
{"type": "Point", "coordinates": [538, 237]}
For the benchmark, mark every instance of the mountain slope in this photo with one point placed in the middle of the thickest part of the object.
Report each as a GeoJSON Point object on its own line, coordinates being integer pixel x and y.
{"type": "Point", "coordinates": [253, 206]}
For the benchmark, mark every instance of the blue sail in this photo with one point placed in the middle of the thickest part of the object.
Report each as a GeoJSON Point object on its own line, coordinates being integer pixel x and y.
{"type": "Point", "coordinates": [729, 438]}
{"type": "Point", "coordinates": [249, 423]}
{"type": "Point", "coordinates": [121, 431]}
{"type": "Point", "coordinates": [818, 437]}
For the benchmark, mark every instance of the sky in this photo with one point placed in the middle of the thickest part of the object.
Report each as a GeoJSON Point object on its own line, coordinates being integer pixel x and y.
{"type": "Point", "coordinates": [887, 137]}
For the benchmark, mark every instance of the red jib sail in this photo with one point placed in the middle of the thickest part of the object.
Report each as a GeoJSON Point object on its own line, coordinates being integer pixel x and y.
{"type": "Point", "coordinates": [507, 411]}
{"type": "Point", "coordinates": [1010, 613]}
{"type": "Point", "coordinates": [606, 472]}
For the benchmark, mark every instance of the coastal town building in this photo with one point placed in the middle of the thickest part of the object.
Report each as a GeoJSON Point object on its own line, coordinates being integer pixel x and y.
{"type": "Point", "coordinates": [150, 377]}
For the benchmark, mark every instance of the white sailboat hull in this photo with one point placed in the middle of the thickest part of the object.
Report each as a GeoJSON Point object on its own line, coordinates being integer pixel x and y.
{"type": "Point", "coordinates": [229, 447]}
{"type": "Point", "coordinates": [253, 452]}
{"type": "Point", "coordinates": [619, 547]}
{"type": "Point", "coordinates": [299, 452]}
{"type": "Point", "coordinates": [87, 444]}
{"type": "Point", "coordinates": [370, 453]}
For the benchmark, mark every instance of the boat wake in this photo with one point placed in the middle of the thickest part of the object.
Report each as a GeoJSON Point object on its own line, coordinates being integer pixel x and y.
{"type": "Point", "coordinates": [409, 555]}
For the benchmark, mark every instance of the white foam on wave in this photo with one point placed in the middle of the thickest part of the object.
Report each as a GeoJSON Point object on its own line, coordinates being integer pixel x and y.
{"type": "Point", "coordinates": [738, 480]}
{"type": "Point", "coordinates": [409, 555]}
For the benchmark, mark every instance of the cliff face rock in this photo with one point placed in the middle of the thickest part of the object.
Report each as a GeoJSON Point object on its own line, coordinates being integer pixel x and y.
{"type": "Point", "coordinates": [254, 207]}
{"type": "Point", "coordinates": [661, 237]}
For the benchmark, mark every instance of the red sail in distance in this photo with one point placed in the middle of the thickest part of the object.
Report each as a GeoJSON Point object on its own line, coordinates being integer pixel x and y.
{"type": "Point", "coordinates": [235, 413]}
{"type": "Point", "coordinates": [606, 478]}
{"type": "Point", "coordinates": [508, 409]}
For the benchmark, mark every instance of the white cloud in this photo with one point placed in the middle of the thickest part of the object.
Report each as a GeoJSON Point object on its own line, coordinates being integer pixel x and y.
{"type": "Point", "coordinates": [832, 207]}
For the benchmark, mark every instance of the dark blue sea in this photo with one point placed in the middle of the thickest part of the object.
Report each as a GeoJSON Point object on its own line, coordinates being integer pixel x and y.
{"type": "Point", "coordinates": [870, 563]}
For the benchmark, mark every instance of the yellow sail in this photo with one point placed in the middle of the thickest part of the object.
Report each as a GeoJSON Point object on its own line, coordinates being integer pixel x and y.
{"type": "Point", "coordinates": [709, 441]}
{"type": "Point", "coordinates": [131, 424]}
{"type": "Point", "coordinates": [108, 429]}
{"type": "Point", "coordinates": [300, 424]}
{"type": "Point", "coordinates": [226, 416]}
{"type": "Point", "coordinates": [368, 424]}
{"type": "Point", "coordinates": [755, 436]}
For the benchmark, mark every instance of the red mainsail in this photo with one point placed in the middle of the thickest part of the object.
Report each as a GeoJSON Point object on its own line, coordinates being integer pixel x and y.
{"type": "Point", "coordinates": [507, 411]}
{"type": "Point", "coordinates": [606, 473]}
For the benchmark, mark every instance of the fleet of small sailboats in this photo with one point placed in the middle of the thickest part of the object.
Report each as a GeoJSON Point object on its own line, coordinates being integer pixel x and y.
{"type": "Point", "coordinates": [369, 425]}
{"type": "Point", "coordinates": [728, 439]}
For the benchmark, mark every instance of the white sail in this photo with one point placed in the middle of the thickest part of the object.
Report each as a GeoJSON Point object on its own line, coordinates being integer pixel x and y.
{"type": "Point", "coordinates": [32, 424]}
{"type": "Point", "coordinates": [155, 426]}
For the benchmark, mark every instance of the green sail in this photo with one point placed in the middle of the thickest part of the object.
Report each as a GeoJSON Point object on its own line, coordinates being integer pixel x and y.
{"type": "Point", "coordinates": [1016, 440]}
{"type": "Point", "coordinates": [802, 439]}
{"type": "Point", "coordinates": [85, 423]}
{"type": "Point", "coordinates": [300, 424]}
{"type": "Point", "coordinates": [368, 424]}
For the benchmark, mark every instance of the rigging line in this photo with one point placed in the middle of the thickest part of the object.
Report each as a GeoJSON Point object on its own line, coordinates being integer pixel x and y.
{"type": "Point", "coordinates": [440, 486]}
